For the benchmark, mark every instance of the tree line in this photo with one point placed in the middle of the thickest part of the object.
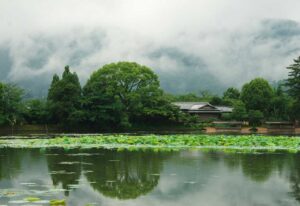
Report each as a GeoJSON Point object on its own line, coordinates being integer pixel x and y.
{"type": "Point", "coordinates": [258, 101]}
{"type": "Point", "coordinates": [126, 94]}
{"type": "Point", "coordinates": [118, 95]}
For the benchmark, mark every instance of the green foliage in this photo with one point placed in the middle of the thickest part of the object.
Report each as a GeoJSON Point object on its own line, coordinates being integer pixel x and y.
{"type": "Point", "coordinates": [227, 117]}
{"type": "Point", "coordinates": [175, 141]}
{"type": "Point", "coordinates": [255, 118]}
{"type": "Point", "coordinates": [257, 95]}
{"type": "Point", "coordinates": [192, 121]}
{"type": "Point", "coordinates": [32, 199]}
{"type": "Point", "coordinates": [10, 104]}
{"type": "Point", "coordinates": [293, 84]}
{"type": "Point", "coordinates": [124, 93]}
{"type": "Point", "coordinates": [189, 97]}
{"type": "Point", "coordinates": [239, 112]}
{"type": "Point", "coordinates": [280, 105]}
{"type": "Point", "coordinates": [217, 101]}
{"type": "Point", "coordinates": [206, 95]}
{"type": "Point", "coordinates": [57, 202]}
{"type": "Point", "coordinates": [35, 111]}
{"type": "Point", "coordinates": [64, 97]}
{"type": "Point", "coordinates": [231, 93]}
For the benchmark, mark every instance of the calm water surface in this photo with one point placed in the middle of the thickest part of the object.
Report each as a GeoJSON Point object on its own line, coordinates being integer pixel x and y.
{"type": "Point", "coordinates": [111, 177]}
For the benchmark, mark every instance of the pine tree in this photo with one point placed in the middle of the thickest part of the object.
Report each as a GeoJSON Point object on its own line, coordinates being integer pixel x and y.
{"type": "Point", "coordinates": [64, 97]}
{"type": "Point", "coordinates": [53, 85]}
{"type": "Point", "coordinates": [293, 82]}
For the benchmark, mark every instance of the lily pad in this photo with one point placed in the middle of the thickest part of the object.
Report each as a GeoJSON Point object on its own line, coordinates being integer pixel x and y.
{"type": "Point", "coordinates": [57, 202]}
{"type": "Point", "coordinates": [32, 199]}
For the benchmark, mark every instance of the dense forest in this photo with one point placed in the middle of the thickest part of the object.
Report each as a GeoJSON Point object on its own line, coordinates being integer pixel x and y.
{"type": "Point", "coordinates": [126, 94]}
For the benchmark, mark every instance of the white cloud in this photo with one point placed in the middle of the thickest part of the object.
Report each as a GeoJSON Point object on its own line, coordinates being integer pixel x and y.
{"type": "Point", "coordinates": [229, 40]}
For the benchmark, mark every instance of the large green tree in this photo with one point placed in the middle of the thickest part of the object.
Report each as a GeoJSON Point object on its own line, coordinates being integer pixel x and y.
{"type": "Point", "coordinates": [280, 105]}
{"type": "Point", "coordinates": [231, 93]}
{"type": "Point", "coordinates": [35, 111]}
{"type": "Point", "coordinates": [293, 81]}
{"type": "Point", "coordinates": [11, 106]}
{"type": "Point", "coordinates": [257, 95]}
{"type": "Point", "coordinates": [64, 97]}
{"type": "Point", "coordinates": [189, 97]}
{"type": "Point", "coordinates": [293, 84]}
{"type": "Point", "coordinates": [239, 112]}
{"type": "Point", "coordinates": [123, 93]}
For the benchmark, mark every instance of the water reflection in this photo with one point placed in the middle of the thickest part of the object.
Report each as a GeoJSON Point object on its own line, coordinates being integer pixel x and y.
{"type": "Point", "coordinates": [260, 167]}
{"type": "Point", "coordinates": [10, 163]}
{"type": "Point", "coordinates": [294, 177]}
{"type": "Point", "coordinates": [122, 175]}
{"type": "Point", "coordinates": [125, 175]}
{"type": "Point", "coordinates": [257, 166]}
{"type": "Point", "coordinates": [112, 177]}
{"type": "Point", "coordinates": [63, 168]}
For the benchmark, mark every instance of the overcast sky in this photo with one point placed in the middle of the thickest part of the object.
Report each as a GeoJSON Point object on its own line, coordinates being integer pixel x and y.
{"type": "Point", "coordinates": [192, 44]}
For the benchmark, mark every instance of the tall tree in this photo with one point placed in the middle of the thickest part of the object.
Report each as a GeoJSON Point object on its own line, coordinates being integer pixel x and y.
{"type": "Point", "coordinates": [257, 95]}
{"type": "Point", "coordinates": [53, 87]}
{"type": "Point", "coordinates": [35, 111]}
{"type": "Point", "coordinates": [293, 81]}
{"type": "Point", "coordinates": [10, 104]}
{"type": "Point", "coordinates": [280, 105]}
{"type": "Point", "coordinates": [189, 97]}
{"type": "Point", "coordinates": [239, 112]}
{"type": "Point", "coordinates": [293, 84]}
{"type": "Point", "coordinates": [120, 93]}
{"type": "Point", "coordinates": [64, 97]}
{"type": "Point", "coordinates": [231, 93]}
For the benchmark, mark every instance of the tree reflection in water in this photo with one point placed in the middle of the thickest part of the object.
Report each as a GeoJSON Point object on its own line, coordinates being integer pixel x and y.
{"type": "Point", "coordinates": [116, 174]}
{"type": "Point", "coordinates": [128, 175]}
{"type": "Point", "coordinates": [259, 167]}
{"type": "Point", "coordinates": [64, 168]}
{"type": "Point", "coordinates": [10, 163]}
{"type": "Point", "coordinates": [294, 176]}
{"type": "Point", "coordinates": [124, 175]}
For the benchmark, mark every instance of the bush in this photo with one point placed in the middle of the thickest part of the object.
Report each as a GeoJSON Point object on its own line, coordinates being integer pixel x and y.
{"type": "Point", "coordinates": [255, 118]}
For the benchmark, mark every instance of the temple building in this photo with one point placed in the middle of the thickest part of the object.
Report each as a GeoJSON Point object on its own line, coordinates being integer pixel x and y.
{"type": "Point", "coordinates": [203, 109]}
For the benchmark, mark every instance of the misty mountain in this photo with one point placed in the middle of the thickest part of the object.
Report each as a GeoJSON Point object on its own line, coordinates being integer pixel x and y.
{"type": "Point", "coordinates": [187, 63]}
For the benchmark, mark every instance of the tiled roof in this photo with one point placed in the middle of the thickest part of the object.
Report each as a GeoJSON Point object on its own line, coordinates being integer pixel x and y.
{"type": "Point", "coordinates": [224, 108]}
{"type": "Point", "coordinates": [190, 105]}
{"type": "Point", "coordinates": [196, 106]}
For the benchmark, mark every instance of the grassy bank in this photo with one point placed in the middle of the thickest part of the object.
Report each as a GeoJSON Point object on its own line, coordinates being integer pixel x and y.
{"type": "Point", "coordinates": [169, 141]}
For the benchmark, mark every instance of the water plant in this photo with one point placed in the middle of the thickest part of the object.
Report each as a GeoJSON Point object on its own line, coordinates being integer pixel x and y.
{"type": "Point", "coordinates": [57, 202]}
{"type": "Point", "coordinates": [160, 141]}
{"type": "Point", "coordinates": [32, 199]}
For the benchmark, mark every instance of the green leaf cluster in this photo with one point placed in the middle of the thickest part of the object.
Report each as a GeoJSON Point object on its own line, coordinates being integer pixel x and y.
{"type": "Point", "coordinates": [64, 97]}
{"type": "Point", "coordinates": [11, 106]}
{"type": "Point", "coordinates": [125, 93]}
{"type": "Point", "coordinates": [181, 141]}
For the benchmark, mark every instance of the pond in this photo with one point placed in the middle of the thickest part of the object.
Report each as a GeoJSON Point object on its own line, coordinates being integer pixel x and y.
{"type": "Point", "coordinates": [146, 177]}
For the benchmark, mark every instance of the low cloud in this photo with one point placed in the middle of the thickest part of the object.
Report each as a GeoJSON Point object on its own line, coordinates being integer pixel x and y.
{"type": "Point", "coordinates": [203, 45]}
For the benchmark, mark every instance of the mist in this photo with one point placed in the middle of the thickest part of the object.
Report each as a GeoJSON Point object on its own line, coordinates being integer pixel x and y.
{"type": "Point", "coordinates": [192, 45]}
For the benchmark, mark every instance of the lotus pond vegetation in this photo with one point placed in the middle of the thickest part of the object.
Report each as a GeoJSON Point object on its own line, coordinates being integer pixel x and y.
{"type": "Point", "coordinates": [161, 141]}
